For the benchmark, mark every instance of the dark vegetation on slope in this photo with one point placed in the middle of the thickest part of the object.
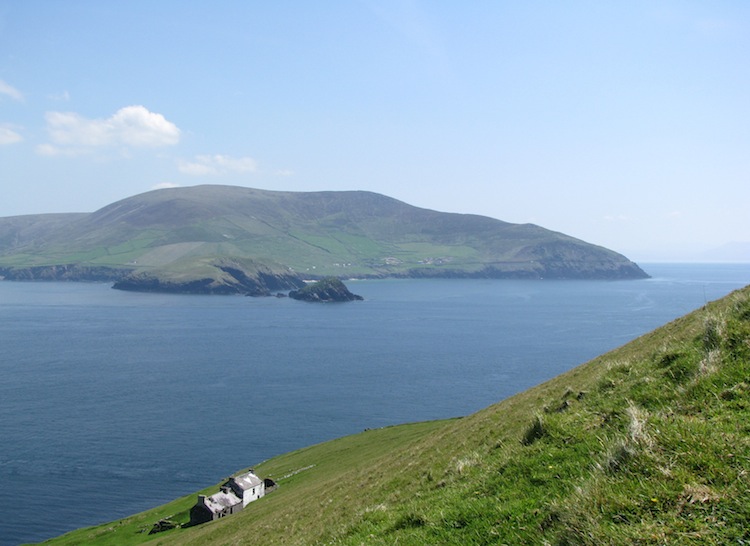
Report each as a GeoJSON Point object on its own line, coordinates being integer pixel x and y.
{"type": "Point", "coordinates": [648, 444]}
{"type": "Point", "coordinates": [314, 234]}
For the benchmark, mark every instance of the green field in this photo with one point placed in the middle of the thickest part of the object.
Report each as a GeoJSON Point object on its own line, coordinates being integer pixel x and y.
{"type": "Point", "coordinates": [648, 444]}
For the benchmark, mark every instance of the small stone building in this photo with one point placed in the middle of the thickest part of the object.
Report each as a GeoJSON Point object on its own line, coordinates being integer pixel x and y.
{"type": "Point", "coordinates": [234, 495]}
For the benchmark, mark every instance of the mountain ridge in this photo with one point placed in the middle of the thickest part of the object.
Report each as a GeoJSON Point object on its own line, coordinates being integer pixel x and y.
{"type": "Point", "coordinates": [307, 234]}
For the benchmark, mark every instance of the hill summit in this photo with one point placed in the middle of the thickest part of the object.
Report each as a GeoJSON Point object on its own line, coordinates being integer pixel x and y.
{"type": "Point", "coordinates": [232, 239]}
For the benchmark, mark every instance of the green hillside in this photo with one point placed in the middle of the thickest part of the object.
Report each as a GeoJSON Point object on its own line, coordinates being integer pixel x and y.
{"type": "Point", "coordinates": [648, 444]}
{"type": "Point", "coordinates": [311, 235]}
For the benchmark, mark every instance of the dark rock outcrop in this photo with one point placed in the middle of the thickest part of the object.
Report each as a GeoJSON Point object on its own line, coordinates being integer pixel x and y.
{"type": "Point", "coordinates": [161, 526]}
{"type": "Point", "coordinates": [328, 289]}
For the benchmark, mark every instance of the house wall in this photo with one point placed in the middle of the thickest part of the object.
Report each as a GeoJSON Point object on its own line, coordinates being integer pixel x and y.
{"type": "Point", "coordinates": [200, 514]}
{"type": "Point", "coordinates": [253, 494]}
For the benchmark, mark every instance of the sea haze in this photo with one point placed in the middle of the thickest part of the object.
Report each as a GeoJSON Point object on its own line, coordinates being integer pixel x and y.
{"type": "Point", "coordinates": [114, 402]}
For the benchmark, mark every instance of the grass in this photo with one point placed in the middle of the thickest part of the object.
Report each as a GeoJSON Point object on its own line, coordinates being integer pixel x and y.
{"type": "Point", "coordinates": [299, 475]}
{"type": "Point", "coordinates": [648, 444]}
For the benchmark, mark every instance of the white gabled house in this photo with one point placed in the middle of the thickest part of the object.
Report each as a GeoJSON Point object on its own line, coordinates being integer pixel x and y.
{"type": "Point", "coordinates": [234, 495]}
{"type": "Point", "coordinates": [247, 486]}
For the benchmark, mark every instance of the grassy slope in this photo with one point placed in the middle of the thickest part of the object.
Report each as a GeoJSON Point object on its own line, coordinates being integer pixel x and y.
{"type": "Point", "coordinates": [648, 444]}
{"type": "Point", "coordinates": [300, 474]}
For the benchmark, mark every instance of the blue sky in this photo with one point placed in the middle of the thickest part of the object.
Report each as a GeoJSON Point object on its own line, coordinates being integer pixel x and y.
{"type": "Point", "coordinates": [626, 124]}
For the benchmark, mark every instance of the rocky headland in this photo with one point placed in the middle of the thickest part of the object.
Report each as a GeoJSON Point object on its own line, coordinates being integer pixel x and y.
{"type": "Point", "coordinates": [326, 290]}
{"type": "Point", "coordinates": [224, 276]}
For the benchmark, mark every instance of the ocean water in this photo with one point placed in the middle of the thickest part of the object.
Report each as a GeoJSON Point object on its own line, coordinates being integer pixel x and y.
{"type": "Point", "coordinates": [114, 402]}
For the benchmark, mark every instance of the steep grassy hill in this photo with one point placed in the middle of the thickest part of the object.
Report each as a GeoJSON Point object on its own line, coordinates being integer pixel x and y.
{"type": "Point", "coordinates": [167, 232]}
{"type": "Point", "coordinates": [648, 444]}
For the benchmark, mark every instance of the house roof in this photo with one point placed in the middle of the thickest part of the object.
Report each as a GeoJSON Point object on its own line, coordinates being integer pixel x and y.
{"type": "Point", "coordinates": [247, 481]}
{"type": "Point", "coordinates": [221, 500]}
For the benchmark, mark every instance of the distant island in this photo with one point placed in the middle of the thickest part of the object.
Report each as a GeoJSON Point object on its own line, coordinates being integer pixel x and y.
{"type": "Point", "coordinates": [233, 240]}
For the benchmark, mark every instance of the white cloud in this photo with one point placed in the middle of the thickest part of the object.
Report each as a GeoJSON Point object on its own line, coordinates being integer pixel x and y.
{"type": "Point", "coordinates": [139, 127]}
{"type": "Point", "coordinates": [165, 185]}
{"type": "Point", "coordinates": [132, 126]}
{"type": "Point", "coordinates": [47, 149]}
{"type": "Point", "coordinates": [214, 165]}
{"type": "Point", "coordinates": [54, 151]}
{"type": "Point", "coordinates": [9, 136]}
{"type": "Point", "coordinates": [10, 91]}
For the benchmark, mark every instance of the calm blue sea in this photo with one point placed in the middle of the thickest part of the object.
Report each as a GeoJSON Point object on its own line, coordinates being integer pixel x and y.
{"type": "Point", "coordinates": [113, 402]}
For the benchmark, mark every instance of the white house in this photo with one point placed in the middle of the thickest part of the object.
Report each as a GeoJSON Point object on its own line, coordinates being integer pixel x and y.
{"type": "Point", "coordinates": [234, 495]}
{"type": "Point", "coordinates": [247, 486]}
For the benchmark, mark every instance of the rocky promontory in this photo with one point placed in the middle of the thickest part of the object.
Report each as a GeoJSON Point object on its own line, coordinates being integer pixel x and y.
{"type": "Point", "coordinates": [222, 276]}
{"type": "Point", "coordinates": [328, 289]}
